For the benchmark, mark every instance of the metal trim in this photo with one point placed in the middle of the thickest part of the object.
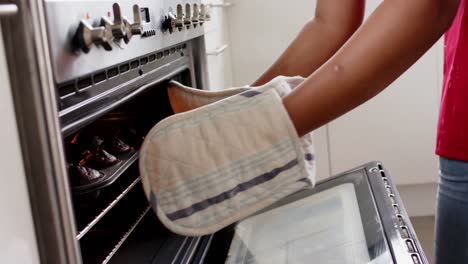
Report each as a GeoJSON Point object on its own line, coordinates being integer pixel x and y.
{"type": "Point", "coordinates": [8, 9]}
{"type": "Point", "coordinates": [35, 103]}
{"type": "Point", "coordinates": [200, 63]}
{"type": "Point", "coordinates": [398, 224]}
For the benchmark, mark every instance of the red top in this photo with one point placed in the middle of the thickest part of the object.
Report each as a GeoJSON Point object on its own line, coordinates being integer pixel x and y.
{"type": "Point", "coordinates": [452, 134]}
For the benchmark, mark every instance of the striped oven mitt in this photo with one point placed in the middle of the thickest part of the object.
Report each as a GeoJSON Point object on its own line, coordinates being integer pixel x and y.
{"type": "Point", "coordinates": [224, 156]}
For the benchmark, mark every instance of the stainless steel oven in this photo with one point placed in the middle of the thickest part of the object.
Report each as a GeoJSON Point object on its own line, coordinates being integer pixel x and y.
{"type": "Point", "coordinates": [89, 81]}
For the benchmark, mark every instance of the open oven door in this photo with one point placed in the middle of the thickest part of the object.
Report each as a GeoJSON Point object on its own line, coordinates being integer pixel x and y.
{"type": "Point", "coordinates": [356, 217]}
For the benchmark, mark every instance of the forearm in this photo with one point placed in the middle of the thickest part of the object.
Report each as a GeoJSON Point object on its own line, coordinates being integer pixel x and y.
{"type": "Point", "coordinates": [334, 22]}
{"type": "Point", "coordinates": [397, 34]}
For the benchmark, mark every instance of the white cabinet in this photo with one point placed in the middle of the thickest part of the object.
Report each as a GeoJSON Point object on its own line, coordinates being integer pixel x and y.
{"type": "Point", "coordinates": [218, 47]}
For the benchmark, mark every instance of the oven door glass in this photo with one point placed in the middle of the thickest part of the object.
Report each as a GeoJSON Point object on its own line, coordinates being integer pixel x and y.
{"type": "Point", "coordinates": [337, 222]}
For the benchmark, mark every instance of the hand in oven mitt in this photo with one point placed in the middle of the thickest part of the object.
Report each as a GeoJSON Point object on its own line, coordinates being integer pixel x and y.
{"type": "Point", "coordinates": [224, 156]}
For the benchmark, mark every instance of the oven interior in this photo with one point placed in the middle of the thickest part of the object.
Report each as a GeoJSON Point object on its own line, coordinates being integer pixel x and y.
{"type": "Point", "coordinates": [114, 221]}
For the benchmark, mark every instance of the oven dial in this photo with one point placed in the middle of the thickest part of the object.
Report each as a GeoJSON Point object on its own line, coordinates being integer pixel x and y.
{"type": "Point", "coordinates": [196, 15]}
{"type": "Point", "coordinates": [87, 35]}
{"type": "Point", "coordinates": [136, 27]}
{"type": "Point", "coordinates": [179, 21]}
{"type": "Point", "coordinates": [122, 28]}
{"type": "Point", "coordinates": [127, 27]}
{"type": "Point", "coordinates": [188, 16]}
{"type": "Point", "coordinates": [169, 23]}
{"type": "Point", "coordinates": [202, 15]}
{"type": "Point", "coordinates": [118, 29]}
{"type": "Point", "coordinates": [107, 43]}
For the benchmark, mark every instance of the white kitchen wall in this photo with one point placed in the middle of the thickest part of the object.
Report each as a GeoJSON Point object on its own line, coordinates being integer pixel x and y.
{"type": "Point", "coordinates": [261, 30]}
{"type": "Point", "coordinates": [397, 127]}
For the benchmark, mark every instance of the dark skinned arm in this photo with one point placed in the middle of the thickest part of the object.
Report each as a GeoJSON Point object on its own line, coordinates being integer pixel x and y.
{"type": "Point", "coordinates": [396, 35]}
{"type": "Point", "coordinates": [334, 22]}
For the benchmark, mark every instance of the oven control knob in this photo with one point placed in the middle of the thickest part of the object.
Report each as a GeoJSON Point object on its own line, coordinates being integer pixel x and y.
{"type": "Point", "coordinates": [202, 15]}
{"type": "Point", "coordinates": [108, 36]}
{"type": "Point", "coordinates": [196, 15]}
{"type": "Point", "coordinates": [169, 23]}
{"type": "Point", "coordinates": [179, 21]}
{"type": "Point", "coordinates": [188, 22]}
{"type": "Point", "coordinates": [187, 17]}
{"type": "Point", "coordinates": [87, 35]}
{"type": "Point", "coordinates": [136, 27]}
{"type": "Point", "coordinates": [127, 28]}
{"type": "Point", "coordinates": [118, 30]}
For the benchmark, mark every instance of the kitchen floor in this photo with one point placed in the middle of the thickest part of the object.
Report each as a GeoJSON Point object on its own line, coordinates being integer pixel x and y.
{"type": "Point", "coordinates": [424, 227]}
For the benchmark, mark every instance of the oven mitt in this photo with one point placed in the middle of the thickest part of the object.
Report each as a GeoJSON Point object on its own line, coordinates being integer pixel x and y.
{"type": "Point", "coordinates": [183, 98]}
{"type": "Point", "coordinates": [227, 156]}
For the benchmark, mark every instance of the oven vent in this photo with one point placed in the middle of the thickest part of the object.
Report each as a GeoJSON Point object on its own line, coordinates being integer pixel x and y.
{"type": "Point", "coordinates": [67, 89]}
{"type": "Point", "coordinates": [85, 82]}
{"type": "Point", "coordinates": [144, 60]}
{"type": "Point", "coordinates": [99, 77]}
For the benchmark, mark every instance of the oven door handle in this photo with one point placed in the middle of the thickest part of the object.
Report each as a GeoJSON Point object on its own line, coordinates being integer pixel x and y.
{"type": "Point", "coordinates": [222, 5]}
{"type": "Point", "coordinates": [218, 50]}
{"type": "Point", "coordinates": [8, 10]}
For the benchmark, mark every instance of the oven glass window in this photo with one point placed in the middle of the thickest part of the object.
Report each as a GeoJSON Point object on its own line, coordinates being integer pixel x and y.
{"type": "Point", "coordinates": [334, 225]}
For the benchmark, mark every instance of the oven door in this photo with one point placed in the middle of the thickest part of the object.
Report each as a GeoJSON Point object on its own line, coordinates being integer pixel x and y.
{"type": "Point", "coordinates": [356, 217]}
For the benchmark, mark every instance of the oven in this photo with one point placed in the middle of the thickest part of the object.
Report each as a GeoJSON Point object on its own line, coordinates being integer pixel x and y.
{"type": "Point", "coordinates": [89, 81]}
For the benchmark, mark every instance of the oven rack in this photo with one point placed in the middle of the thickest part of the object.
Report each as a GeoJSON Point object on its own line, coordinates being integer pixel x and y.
{"type": "Point", "coordinates": [127, 234]}
{"type": "Point", "coordinates": [162, 246]}
{"type": "Point", "coordinates": [189, 248]}
{"type": "Point", "coordinates": [107, 209]}
{"type": "Point", "coordinates": [112, 173]}
{"type": "Point", "coordinates": [114, 226]}
{"type": "Point", "coordinates": [200, 255]}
